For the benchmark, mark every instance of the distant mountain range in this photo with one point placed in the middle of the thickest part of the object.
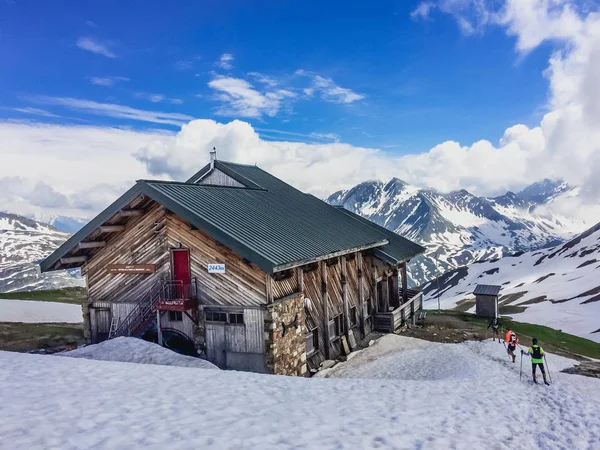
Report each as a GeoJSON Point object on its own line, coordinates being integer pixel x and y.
{"type": "Point", "coordinates": [459, 228]}
{"type": "Point", "coordinates": [23, 243]}
{"type": "Point", "coordinates": [558, 287]}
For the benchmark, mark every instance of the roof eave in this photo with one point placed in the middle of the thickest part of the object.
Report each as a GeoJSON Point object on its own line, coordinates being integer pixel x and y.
{"type": "Point", "coordinates": [48, 264]}
{"type": "Point", "coordinates": [326, 256]}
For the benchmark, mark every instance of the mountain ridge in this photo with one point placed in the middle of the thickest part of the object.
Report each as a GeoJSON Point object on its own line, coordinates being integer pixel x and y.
{"type": "Point", "coordinates": [458, 227]}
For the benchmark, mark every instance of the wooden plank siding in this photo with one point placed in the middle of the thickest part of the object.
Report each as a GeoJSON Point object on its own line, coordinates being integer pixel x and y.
{"type": "Point", "coordinates": [218, 178]}
{"type": "Point", "coordinates": [241, 284]}
{"type": "Point", "coordinates": [287, 286]}
{"type": "Point", "coordinates": [142, 242]}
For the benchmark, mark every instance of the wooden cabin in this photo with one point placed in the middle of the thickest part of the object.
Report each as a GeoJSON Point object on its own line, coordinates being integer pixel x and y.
{"type": "Point", "coordinates": [486, 300]}
{"type": "Point", "coordinates": [252, 273]}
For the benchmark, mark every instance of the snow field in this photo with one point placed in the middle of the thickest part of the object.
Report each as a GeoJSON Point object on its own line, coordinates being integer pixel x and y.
{"type": "Point", "coordinates": [407, 396]}
{"type": "Point", "coordinates": [132, 350]}
{"type": "Point", "coordinates": [28, 311]}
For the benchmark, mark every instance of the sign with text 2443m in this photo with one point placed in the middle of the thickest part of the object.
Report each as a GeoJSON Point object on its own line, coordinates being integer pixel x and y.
{"type": "Point", "coordinates": [216, 268]}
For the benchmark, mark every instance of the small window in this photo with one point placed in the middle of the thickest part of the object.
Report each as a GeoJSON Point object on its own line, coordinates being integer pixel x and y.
{"type": "Point", "coordinates": [368, 307]}
{"type": "Point", "coordinates": [353, 316]}
{"type": "Point", "coordinates": [335, 327]}
{"type": "Point", "coordinates": [312, 341]}
{"type": "Point", "coordinates": [216, 316]}
{"type": "Point", "coordinates": [175, 316]}
{"type": "Point", "coordinates": [236, 318]}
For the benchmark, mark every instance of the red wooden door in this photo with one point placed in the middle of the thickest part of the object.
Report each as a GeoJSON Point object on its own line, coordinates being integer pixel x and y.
{"type": "Point", "coordinates": [181, 272]}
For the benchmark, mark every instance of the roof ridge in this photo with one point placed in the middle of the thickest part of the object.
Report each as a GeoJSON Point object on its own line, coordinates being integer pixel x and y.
{"type": "Point", "coordinates": [236, 164]}
{"type": "Point", "coordinates": [196, 185]}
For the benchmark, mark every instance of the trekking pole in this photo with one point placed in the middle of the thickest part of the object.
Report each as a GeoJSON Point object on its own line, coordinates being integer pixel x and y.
{"type": "Point", "coordinates": [521, 371]}
{"type": "Point", "coordinates": [548, 368]}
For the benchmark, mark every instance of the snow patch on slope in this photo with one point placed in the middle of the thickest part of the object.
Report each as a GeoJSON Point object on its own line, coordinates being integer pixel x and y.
{"type": "Point", "coordinates": [482, 405]}
{"type": "Point", "coordinates": [133, 350]}
{"type": "Point", "coordinates": [557, 287]}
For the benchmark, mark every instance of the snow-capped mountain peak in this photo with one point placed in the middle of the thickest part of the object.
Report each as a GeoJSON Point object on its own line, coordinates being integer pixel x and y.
{"type": "Point", "coordinates": [24, 242]}
{"type": "Point", "coordinates": [460, 226]}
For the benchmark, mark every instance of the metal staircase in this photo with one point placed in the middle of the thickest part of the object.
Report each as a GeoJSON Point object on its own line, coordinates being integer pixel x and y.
{"type": "Point", "coordinates": [142, 314]}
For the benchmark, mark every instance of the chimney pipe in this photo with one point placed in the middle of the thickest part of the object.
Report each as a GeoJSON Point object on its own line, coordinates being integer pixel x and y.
{"type": "Point", "coordinates": [213, 158]}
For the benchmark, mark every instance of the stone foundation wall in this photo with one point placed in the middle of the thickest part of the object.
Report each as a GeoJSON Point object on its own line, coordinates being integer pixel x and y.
{"type": "Point", "coordinates": [285, 340]}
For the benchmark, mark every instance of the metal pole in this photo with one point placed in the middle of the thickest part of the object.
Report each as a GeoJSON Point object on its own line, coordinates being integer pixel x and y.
{"type": "Point", "coordinates": [159, 331]}
{"type": "Point", "coordinates": [547, 368]}
{"type": "Point", "coordinates": [521, 371]}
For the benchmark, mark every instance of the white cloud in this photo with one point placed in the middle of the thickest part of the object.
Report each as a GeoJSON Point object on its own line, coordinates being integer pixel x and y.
{"type": "Point", "coordinates": [328, 89]}
{"type": "Point", "coordinates": [157, 98]}
{"type": "Point", "coordinates": [242, 99]}
{"type": "Point", "coordinates": [35, 111]}
{"type": "Point", "coordinates": [113, 110]}
{"type": "Point", "coordinates": [107, 81]}
{"type": "Point", "coordinates": [326, 136]}
{"type": "Point", "coordinates": [95, 47]}
{"type": "Point", "coordinates": [89, 23]}
{"type": "Point", "coordinates": [67, 170]}
{"type": "Point", "coordinates": [422, 11]}
{"type": "Point", "coordinates": [225, 61]}
{"type": "Point", "coordinates": [264, 79]}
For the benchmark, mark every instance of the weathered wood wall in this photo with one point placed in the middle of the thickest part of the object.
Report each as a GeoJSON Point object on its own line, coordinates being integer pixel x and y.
{"type": "Point", "coordinates": [218, 178]}
{"type": "Point", "coordinates": [241, 284]}
{"type": "Point", "coordinates": [142, 242]}
{"type": "Point", "coordinates": [237, 346]}
{"type": "Point", "coordinates": [313, 282]}
{"type": "Point", "coordinates": [185, 325]}
{"type": "Point", "coordinates": [285, 287]}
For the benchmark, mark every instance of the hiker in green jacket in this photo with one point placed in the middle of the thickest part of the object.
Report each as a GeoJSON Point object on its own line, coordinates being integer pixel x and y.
{"type": "Point", "coordinates": [495, 324]}
{"type": "Point", "coordinates": [537, 359]}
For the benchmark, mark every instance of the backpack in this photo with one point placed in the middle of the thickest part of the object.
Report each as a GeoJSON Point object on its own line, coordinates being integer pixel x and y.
{"type": "Point", "coordinates": [513, 338]}
{"type": "Point", "coordinates": [537, 352]}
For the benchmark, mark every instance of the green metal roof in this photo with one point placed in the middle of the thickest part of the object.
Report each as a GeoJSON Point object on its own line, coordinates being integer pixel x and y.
{"type": "Point", "coordinates": [268, 222]}
{"type": "Point", "coordinates": [398, 250]}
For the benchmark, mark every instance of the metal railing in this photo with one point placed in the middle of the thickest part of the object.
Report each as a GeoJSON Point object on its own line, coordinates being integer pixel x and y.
{"type": "Point", "coordinates": [144, 311]}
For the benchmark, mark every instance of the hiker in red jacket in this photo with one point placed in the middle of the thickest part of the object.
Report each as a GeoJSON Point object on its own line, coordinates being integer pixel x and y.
{"type": "Point", "coordinates": [511, 340]}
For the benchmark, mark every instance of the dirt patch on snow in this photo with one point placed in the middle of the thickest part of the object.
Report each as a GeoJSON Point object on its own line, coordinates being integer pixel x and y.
{"type": "Point", "coordinates": [587, 263]}
{"type": "Point", "coordinates": [586, 368]}
{"type": "Point", "coordinates": [535, 300]}
{"type": "Point", "coordinates": [509, 298]}
{"type": "Point", "coordinates": [545, 277]}
{"type": "Point", "coordinates": [464, 305]}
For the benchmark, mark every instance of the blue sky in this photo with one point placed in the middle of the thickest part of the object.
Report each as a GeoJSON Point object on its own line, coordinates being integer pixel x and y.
{"type": "Point", "coordinates": [406, 85]}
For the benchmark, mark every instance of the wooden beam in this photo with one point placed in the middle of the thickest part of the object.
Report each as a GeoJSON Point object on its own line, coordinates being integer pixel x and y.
{"type": "Point", "coordinates": [73, 259]}
{"type": "Point", "coordinates": [92, 244]}
{"type": "Point", "coordinates": [395, 298]}
{"type": "Point", "coordinates": [345, 298]}
{"type": "Point", "coordinates": [300, 274]}
{"type": "Point", "coordinates": [361, 295]}
{"type": "Point", "coordinates": [111, 228]}
{"type": "Point", "coordinates": [404, 283]}
{"type": "Point", "coordinates": [385, 292]}
{"type": "Point", "coordinates": [324, 298]}
{"type": "Point", "coordinates": [269, 288]}
{"type": "Point", "coordinates": [374, 284]}
{"type": "Point", "coordinates": [131, 212]}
